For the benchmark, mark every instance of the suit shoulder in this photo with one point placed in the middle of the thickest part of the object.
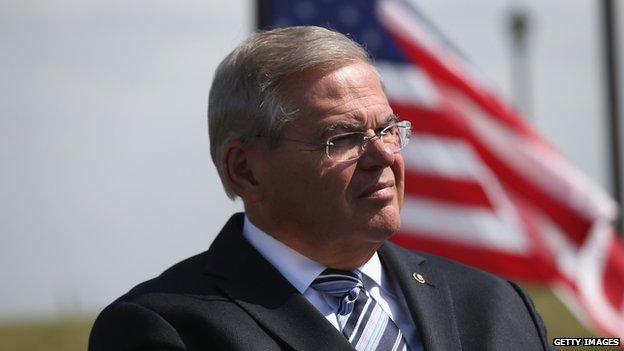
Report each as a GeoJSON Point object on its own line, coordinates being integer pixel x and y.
{"type": "Point", "coordinates": [183, 278]}
{"type": "Point", "coordinates": [480, 300]}
{"type": "Point", "coordinates": [129, 326]}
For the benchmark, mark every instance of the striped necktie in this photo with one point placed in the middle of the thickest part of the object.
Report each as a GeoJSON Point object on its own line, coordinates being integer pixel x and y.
{"type": "Point", "coordinates": [365, 324]}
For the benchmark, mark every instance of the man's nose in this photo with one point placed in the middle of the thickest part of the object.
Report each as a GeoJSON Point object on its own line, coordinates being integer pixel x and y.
{"type": "Point", "coordinates": [376, 154]}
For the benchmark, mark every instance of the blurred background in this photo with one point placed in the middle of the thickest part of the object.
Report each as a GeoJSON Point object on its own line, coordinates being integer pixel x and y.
{"type": "Point", "coordinates": [105, 173]}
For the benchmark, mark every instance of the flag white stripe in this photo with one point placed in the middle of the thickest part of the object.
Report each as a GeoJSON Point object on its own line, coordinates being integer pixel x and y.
{"type": "Point", "coordinates": [460, 223]}
{"type": "Point", "coordinates": [445, 157]}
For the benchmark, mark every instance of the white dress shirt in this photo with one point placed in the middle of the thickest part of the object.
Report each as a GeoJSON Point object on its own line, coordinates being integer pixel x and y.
{"type": "Point", "coordinates": [300, 271]}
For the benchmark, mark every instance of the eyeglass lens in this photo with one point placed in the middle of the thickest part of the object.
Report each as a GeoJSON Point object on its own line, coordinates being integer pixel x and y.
{"type": "Point", "coordinates": [351, 146]}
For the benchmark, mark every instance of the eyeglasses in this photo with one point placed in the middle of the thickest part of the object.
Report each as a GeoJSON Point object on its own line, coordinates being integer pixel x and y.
{"type": "Point", "coordinates": [350, 146]}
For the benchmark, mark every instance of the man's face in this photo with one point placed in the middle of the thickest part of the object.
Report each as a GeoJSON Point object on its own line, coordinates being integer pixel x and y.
{"type": "Point", "coordinates": [309, 194]}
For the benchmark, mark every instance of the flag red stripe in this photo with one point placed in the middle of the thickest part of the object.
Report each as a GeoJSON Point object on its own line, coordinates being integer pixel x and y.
{"type": "Point", "coordinates": [535, 234]}
{"type": "Point", "coordinates": [431, 121]}
{"type": "Point", "coordinates": [573, 223]}
{"type": "Point", "coordinates": [445, 189]}
{"type": "Point", "coordinates": [613, 280]}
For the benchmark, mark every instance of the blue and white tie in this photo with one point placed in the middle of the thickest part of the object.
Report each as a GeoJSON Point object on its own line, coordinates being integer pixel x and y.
{"type": "Point", "coordinates": [367, 326]}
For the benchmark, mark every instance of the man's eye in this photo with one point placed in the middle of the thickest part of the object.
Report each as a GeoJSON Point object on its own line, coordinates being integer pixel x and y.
{"type": "Point", "coordinates": [346, 140]}
{"type": "Point", "coordinates": [393, 129]}
{"type": "Point", "coordinates": [386, 128]}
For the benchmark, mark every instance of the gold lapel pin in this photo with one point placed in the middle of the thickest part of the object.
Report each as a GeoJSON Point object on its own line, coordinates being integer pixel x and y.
{"type": "Point", "coordinates": [418, 277]}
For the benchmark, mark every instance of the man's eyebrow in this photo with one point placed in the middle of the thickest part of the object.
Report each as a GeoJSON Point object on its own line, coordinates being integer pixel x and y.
{"type": "Point", "coordinates": [352, 126]}
{"type": "Point", "coordinates": [392, 118]}
{"type": "Point", "coordinates": [346, 126]}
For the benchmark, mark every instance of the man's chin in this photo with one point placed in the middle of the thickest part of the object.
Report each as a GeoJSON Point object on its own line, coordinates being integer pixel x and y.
{"type": "Point", "coordinates": [385, 222]}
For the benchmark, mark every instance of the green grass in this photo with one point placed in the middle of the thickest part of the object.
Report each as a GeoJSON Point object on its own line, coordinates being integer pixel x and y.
{"type": "Point", "coordinates": [69, 334]}
{"type": "Point", "coordinates": [559, 321]}
{"type": "Point", "coordinates": [72, 334]}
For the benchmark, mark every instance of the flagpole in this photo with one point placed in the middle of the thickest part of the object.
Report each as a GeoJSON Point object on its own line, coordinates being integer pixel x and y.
{"type": "Point", "coordinates": [519, 23]}
{"type": "Point", "coordinates": [613, 105]}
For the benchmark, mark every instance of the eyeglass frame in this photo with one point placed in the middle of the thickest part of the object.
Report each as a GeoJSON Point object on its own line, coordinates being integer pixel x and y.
{"type": "Point", "coordinates": [365, 140]}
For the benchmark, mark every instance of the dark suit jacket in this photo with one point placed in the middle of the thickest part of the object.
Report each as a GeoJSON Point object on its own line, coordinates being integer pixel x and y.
{"type": "Point", "coordinates": [231, 298]}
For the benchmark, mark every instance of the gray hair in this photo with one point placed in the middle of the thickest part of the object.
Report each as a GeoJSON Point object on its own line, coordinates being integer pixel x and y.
{"type": "Point", "coordinates": [248, 96]}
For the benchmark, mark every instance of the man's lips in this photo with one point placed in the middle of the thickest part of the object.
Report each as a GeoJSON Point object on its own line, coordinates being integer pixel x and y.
{"type": "Point", "coordinates": [371, 190]}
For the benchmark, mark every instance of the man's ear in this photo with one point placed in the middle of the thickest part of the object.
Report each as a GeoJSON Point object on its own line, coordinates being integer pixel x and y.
{"type": "Point", "coordinates": [237, 161]}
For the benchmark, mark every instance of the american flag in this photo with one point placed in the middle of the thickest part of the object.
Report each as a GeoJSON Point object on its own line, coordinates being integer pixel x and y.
{"type": "Point", "coordinates": [482, 186]}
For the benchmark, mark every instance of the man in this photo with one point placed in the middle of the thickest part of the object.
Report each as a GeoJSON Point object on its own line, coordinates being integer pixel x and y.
{"type": "Point", "coordinates": [302, 132]}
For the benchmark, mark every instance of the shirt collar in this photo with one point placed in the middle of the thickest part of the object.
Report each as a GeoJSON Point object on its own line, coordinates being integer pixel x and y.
{"type": "Point", "coordinates": [373, 269]}
{"type": "Point", "coordinates": [299, 270]}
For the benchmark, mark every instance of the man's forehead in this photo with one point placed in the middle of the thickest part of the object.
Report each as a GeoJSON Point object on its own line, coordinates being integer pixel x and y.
{"type": "Point", "coordinates": [349, 97]}
{"type": "Point", "coordinates": [331, 89]}
{"type": "Point", "coordinates": [343, 81]}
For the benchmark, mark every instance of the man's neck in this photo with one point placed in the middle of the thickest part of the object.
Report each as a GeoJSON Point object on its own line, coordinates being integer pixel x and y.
{"type": "Point", "coordinates": [345, 255]}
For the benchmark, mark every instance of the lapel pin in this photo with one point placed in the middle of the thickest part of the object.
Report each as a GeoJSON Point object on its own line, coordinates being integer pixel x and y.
{"type": "Point", "coordinates": [418, 277]}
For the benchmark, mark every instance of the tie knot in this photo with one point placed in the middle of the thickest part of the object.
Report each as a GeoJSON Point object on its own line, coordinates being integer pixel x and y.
{"type": "Point", "coordinates": [345, 285]}
{"type": "Point", "coordinates": [334, 281]}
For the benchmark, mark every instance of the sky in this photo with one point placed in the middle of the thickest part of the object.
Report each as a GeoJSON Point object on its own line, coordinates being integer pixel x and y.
{"type": "Point", "coordinates": [105, 172]}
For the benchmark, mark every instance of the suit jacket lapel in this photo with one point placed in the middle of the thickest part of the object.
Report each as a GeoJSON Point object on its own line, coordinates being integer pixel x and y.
{"type": "Point", "coordinates": [257, 287]}
{"type": "Point", "coordinates": [428, 297]}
